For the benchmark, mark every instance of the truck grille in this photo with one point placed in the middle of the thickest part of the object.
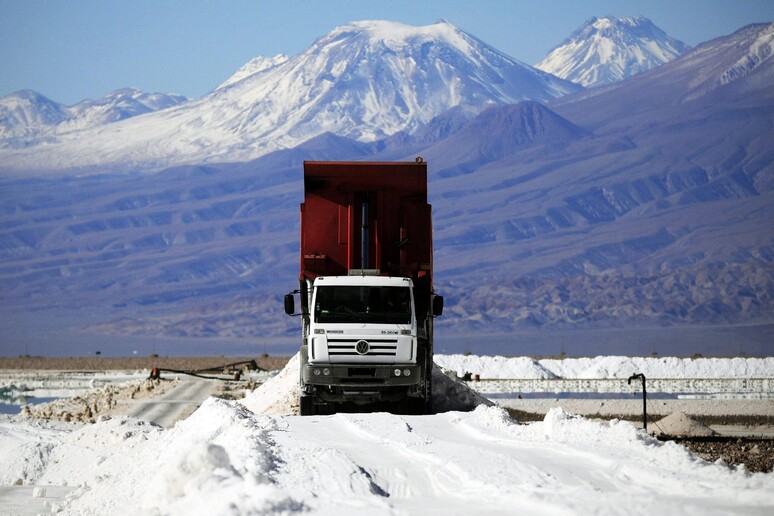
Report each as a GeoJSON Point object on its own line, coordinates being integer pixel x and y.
{"type": "Point", "coordinates": [363, 347]}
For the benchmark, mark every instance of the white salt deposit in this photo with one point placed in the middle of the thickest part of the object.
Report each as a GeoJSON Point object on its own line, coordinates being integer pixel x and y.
{"type": "Point", "coordinates": [494, 367]}
{"type": "Point", "coordinates": [278, 395]}
{"type": "Point", "coordinates": [608, 367]}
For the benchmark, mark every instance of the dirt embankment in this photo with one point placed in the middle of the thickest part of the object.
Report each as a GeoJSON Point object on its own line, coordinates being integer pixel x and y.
{"type": "Point", "coordinates": [133, 363]}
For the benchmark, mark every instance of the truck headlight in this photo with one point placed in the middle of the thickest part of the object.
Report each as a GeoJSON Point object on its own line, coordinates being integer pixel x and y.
{"type": "Point", "coordinates": [396, 372]}
{"type": "Point", "coordinates": [407, 372]}
{"type": "Point", "coordinates": [326, 371]}
{"type": "Point", "coordinates": [317, 372]}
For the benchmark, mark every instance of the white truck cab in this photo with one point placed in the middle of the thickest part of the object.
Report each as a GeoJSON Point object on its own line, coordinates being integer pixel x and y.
{"type": "Point", "coordinates": [362, 320]}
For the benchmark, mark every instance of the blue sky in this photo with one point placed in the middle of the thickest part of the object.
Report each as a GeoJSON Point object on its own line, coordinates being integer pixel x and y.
{"type": "Point", "coordinates": [77, 49]}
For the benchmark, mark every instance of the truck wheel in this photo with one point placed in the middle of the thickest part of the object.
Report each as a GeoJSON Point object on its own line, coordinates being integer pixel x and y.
{"type": "Point", "coordinates": [427, 392]}
{"type": "Point", "coordinates": [306, 405]}
{"type": "Point", "coordinates": [417, 406]}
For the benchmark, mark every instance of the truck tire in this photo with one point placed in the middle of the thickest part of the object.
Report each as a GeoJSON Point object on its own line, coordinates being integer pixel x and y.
{"type": "Point", "coordinates": [306, 405]}
{"type": "Point", "coordinates": [422, 405]}
{"type": "Point", "coordinates": [305, 402]}
{"type": "Point", "coordinates": [429, 388]}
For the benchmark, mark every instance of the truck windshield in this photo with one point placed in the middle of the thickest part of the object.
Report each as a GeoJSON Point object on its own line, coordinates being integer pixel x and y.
{"type": "Point", "coordinates": [350, 304]}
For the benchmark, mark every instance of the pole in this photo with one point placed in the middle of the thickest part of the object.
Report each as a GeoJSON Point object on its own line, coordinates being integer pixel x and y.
{"type": "Point", "coordinates": [644, 398]}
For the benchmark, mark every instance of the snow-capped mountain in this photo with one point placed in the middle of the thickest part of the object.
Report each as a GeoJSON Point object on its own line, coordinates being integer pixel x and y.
{"type": "Point", "coordinates": [726, 68]}
{"type": "Point", "coordinates": [27, 112]}
{"type": "Point", "coordinates": [608, 49]}
{"type": "Point", "coordinates": [367, 80]}
{"type": "Point", "coordinates": [364, 80]}
{"type": "Point", "coordinates": [26, 116]}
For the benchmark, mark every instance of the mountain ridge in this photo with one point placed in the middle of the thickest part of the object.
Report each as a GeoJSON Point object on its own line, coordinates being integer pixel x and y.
{"type": "Point", "coordinates": [27, 116]}
{"type": "Point", "coordinates": [363, 80]}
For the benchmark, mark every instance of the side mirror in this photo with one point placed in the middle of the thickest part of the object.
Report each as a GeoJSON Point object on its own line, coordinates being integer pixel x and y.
{"type": "Point", "coordinates": [437, 306]}
{"type": "Point", "coordinates": [290, 305]}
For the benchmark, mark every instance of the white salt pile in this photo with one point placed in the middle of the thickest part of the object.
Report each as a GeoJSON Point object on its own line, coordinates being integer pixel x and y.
{"type": "Point", "coordinates": [494, 366]}
{"type": "Point", "coordinates": [279, 395]}
{"type": "Point", "coordinates": [680, 424]}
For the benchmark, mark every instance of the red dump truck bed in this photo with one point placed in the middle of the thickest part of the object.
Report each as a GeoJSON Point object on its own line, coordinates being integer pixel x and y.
{"type": "Point", "coordinates": [366, 215]}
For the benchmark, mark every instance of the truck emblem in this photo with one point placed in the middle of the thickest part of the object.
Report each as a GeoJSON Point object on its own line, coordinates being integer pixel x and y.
{"type": "Point", "coordinates": [362, 347]}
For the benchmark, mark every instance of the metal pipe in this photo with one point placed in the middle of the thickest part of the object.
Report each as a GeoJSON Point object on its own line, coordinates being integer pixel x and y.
{"type": "Point", "coordinates": [644, 398]}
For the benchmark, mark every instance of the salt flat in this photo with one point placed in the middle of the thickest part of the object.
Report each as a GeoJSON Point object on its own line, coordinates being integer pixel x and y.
{"type": "Point", "coordinates": [228, 459]}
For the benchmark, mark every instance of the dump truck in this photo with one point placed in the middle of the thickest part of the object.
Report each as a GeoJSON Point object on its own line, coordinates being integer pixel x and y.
{"type": "Point", "coordinates": [366, 288]}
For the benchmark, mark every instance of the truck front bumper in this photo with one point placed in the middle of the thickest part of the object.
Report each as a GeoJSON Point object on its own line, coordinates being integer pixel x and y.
{"type": "Point", "coordinates": [359, 375]}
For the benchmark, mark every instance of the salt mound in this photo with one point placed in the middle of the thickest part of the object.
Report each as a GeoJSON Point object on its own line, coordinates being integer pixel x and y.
{"type": "Point", "coordinates": [679, 424]}
{"type": "Point", "coordinates": [494, 367]}
{"type": "Point", "coordinates": [279, 395]}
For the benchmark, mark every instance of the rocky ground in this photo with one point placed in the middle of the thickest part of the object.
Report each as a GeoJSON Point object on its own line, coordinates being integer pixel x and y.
{"type": "Point", "coordinates": [757, 454]}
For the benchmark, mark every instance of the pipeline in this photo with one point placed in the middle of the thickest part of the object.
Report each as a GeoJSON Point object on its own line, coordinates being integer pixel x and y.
{"type": "Point", "coordinates": [250, 365]}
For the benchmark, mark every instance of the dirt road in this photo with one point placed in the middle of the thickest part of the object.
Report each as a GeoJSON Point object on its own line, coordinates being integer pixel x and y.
{"type": "Point", "coordinates": [175, 404]}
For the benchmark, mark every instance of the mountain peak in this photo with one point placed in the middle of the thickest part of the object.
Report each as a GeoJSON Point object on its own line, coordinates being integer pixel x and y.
{"type": "Point", "coordinates": [26, 112]}
{"type": "Point", "coordinates": [500, 131]}
{"type": "Point", "coordinates": [394, 34]}
{"type": "Point", "coordinates": [607, 49]}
